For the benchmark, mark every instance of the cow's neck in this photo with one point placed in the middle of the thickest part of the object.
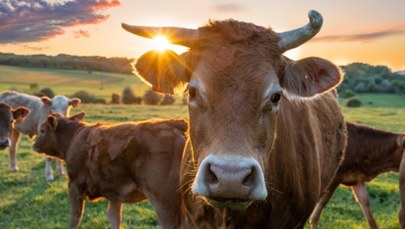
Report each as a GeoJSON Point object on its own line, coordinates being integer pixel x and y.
{"type": "Point", "coordinates": [69, 131]}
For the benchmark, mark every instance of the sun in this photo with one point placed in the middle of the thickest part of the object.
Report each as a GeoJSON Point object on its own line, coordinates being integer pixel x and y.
{"type": "Point", "coordinates": [161, 43]}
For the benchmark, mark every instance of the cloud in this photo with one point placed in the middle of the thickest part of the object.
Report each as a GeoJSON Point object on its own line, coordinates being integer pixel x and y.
{"type": "Point", "coordinates": [36, 20]}
{"type": "Point", "coordinates": [81, 33]}
{"type": "Point", "coordinates": [229, 8]}
{"type": "Point", "coordinates": [364, 37]}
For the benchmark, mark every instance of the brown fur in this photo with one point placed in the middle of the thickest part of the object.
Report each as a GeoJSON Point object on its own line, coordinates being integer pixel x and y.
{"type": "Point", "coordinates": [298, 147]}
{"type": "Point", "coordinates": [369, 153]}
{"type": "Point", "coordinates": [8, 117]}
{"type": "Point", "coordinates": [125, 163]}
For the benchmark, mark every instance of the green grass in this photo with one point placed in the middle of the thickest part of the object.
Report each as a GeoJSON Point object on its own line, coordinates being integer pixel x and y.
{"type": "Point", "coordinates": [28, 201]}
{"type": "Point", "coordinates": [67, 82]}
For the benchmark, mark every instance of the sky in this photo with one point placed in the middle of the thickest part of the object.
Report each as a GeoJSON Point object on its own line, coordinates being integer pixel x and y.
{"type": "Point", "coordinates": [368, 31]}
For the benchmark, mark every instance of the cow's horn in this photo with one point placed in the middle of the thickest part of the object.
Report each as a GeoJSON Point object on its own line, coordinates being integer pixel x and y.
{"type": "Point", "coordinates": [294, 38]}
{"type": "Point", "coordinates": [176, 35]}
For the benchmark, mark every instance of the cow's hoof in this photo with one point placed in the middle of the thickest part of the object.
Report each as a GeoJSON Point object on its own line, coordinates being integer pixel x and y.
{"type": "Point", "coordinates": [14, 169]}
{"type": "Point", "coordinates": [49, 178]}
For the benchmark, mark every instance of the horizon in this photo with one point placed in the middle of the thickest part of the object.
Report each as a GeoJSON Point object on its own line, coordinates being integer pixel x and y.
{"type": "Point", "coordinates": [371, 32]}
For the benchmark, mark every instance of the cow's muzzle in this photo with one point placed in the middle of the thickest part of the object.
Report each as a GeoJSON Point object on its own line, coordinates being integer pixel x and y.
{"type": "Point", "coordinates": [4, 144]}
{"type": "Point", "coordinates": [232, 182]}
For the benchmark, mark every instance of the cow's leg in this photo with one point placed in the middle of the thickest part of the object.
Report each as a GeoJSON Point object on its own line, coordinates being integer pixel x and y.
{"type": "Point", "coordinates": [361, 194]}
{"type": "Point", "coordinates": [14, 139]}
{"type": "Point", "coordinates": [59, 167]}
{"type": "Point", "coordinates": [48, 169]}
{"type": "Point", "coordinates": [401, 213]}
{"type": "Point", "coordinates": [316, 214]}
{"type": "Point", "coordinates": [77, 203]}
{"type": "Point", "coordinates": [114, 213]}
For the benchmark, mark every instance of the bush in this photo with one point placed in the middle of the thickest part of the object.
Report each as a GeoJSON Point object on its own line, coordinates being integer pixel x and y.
{"type": "Point", "coordinates": [128, 96]}
{"type": "Point", "coordinates": [347, 93]}
{"type": "Point", "coordinates": [353, 103]}
{"type": "Point", "coordinates": [48, 92]}
{"type": "Point", "coordinates": [115, 98]}
{"type": "Point", "coordinates": [87, 97]}
{"type": "Point", "coordinates": [167, 100]}
{"type": "Point", "coordinates": [151, 98]}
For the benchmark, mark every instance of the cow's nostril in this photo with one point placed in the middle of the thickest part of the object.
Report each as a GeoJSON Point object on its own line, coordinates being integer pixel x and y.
{"type": "Point", "coordinates": [250, 178]}
{"type": "Point", "coordinates": [211, 177]}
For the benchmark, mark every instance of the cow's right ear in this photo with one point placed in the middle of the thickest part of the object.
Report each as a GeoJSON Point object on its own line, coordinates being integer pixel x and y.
{"type": "Point", "coordinates": [164, 70]}
{"type": "Point", "coordinates": [20, 113]}
{"type": "Point", "coordinates": [77, 117]}
{"type": "Point", "coordinates": [52, 122]}
{"type": "Point", "coordinates": [46, 101]}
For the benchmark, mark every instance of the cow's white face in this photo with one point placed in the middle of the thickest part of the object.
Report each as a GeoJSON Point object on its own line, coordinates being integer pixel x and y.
{"type": "Point", "coordinates": [60, 104]}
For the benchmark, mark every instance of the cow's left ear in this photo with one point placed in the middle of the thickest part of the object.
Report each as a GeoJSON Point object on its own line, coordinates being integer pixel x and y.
{"type": "Point", "coordinates": [20, 113]}
{"type": "Point", "coordinates": [310, 76]}
{"type": "Point", "coordinates": [77, 117]}
{"type": "Point", "coordinates": [74, 102]}
{"type": "Point", "coordinates": [46, 101]}
{"type": "Point", "coordinates": [53, 123]}
{"type": "Point", "coordinates": [164, 70]}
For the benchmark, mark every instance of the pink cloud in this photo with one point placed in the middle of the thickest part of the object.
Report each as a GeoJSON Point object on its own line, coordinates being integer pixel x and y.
{"type": "Point", "coordinates": [365, 37]}
{"type": "Point", "coordinates": [81, 33]}
{"type": "Point", "coordinates": [37, 20]}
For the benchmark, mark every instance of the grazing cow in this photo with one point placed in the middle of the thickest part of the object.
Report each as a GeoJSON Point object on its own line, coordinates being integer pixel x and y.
{"type": "Point", "coordinates": [369, 152]}
{"type": "Point", "coordinates": [266, 133]}
{"type": "Point", "coordinates": [8, 117]}
{"type": "Point", "coordinates": [40, 109]}
{"type": "Point", "coordinates": [125, 163]}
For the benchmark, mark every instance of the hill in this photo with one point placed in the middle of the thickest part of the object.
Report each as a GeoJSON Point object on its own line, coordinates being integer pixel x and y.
{"type": "Point", "coordinates": [62, 61]}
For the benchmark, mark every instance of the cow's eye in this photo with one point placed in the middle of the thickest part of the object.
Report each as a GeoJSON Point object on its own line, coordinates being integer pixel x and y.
{"type": "Point", "coordinates": [192, 92]}
{"type": "Point", "coordinates": [42, 131]}
{"type": "Point", "coordinates": [275, 97]}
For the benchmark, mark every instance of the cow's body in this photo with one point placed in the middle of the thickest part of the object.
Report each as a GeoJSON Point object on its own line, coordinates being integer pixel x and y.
{"type": "Point", "coordinates": [40, 109]}
{"type": "Point", "coordinates": [258, 155]}
{"type": "Point", "coordinates": [125, 163]}
{"type": "Point", "coordinates": [369, 153]}
{"type": "Point", "coordinates": [8, 117]}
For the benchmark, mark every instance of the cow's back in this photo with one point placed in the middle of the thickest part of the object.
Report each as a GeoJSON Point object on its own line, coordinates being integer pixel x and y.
{"type": "Point", "coordinates": [120, 160]}
{"type": "Point", "coordinates": [37, 115]}
{"type": "Point", "coordinates": [369, 153]}
{"type": "Point", "coordinates": [310, 141]}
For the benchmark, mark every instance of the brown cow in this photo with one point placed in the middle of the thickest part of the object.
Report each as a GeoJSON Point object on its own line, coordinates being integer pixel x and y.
{"type": "Point", "coordinates": [125, 163]}
{"type": "Point", "coordinates": [8, 116]}
{"type": "Point", "coordinates": [266, 133]}
{"type": "Point", "coordinates": [369, 153]}
{"type": "Point", "coordinates": [401, 213]}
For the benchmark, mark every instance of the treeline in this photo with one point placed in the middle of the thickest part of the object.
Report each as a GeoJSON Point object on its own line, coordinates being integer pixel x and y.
{"type": "Point", "coordinates": [63, 61]}
{"type": "Point", "coordinates": [365, 78]}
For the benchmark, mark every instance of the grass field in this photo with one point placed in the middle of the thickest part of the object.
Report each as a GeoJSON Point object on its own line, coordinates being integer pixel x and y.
{"type": "Point", "coordinates": [67, 82]}
{"type": "Point", "coordinates": [28, 201]}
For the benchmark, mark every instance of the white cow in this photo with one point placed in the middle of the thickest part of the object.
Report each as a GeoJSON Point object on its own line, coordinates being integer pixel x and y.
{"type": "Point", "coordinates": [40, 109]}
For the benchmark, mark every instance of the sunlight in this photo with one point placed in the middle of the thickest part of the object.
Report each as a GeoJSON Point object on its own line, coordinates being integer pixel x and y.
{"type": "Point", "coordinates": [161, 43]}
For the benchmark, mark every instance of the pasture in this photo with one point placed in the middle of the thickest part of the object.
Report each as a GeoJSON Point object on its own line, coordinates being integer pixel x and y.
{"type": "Point", "coordinates": [28, 201]}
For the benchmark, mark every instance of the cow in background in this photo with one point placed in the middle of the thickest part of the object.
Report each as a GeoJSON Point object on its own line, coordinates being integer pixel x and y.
{"type": "Point", "coordinates": [401, 213]}
{"type": "Point", "coordinates": [40, 109]}
{"type": "Point", "coordinates": [8, 117]}
{"type": "Point", "coordinates": [266, 133]}
{"type": "Point", "coordinates": [125, 163]}
{"type": "Point", "coordinates": [369, 153]}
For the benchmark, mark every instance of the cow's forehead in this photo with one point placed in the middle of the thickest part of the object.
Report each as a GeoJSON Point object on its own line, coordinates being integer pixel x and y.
{"type": "Point", "coordinates": [60, 101]}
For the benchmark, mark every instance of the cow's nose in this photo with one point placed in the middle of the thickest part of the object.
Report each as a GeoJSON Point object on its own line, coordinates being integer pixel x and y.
{"type": "Point", "coordinates": [225, 177]}
{"type": "Point", "coordinates": [4, 144]}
